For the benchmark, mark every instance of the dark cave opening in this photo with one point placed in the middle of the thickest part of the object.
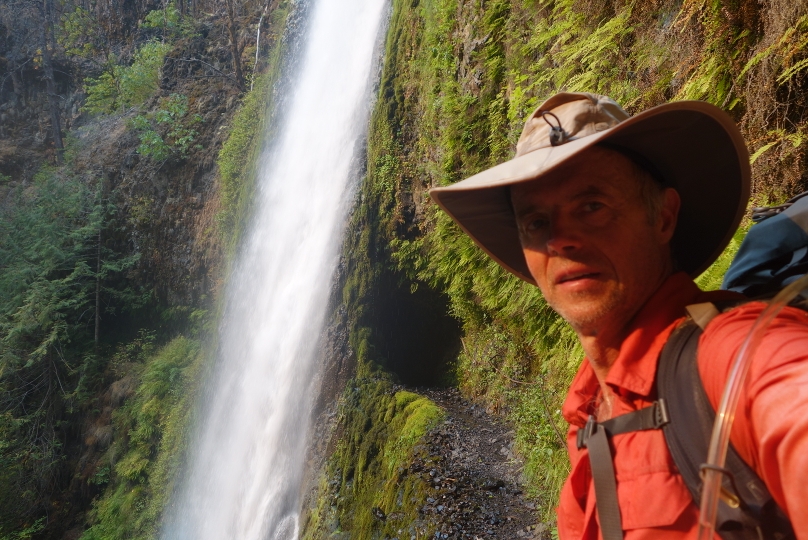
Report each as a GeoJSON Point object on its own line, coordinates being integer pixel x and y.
{"type": "Point", "coordinates": [413, 332]}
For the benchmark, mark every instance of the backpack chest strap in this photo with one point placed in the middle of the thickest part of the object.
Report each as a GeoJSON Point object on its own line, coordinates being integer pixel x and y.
{"type": "Point", "coordinates": [652, 417]}
{"type": "Point", "coordinates": [594, 436]}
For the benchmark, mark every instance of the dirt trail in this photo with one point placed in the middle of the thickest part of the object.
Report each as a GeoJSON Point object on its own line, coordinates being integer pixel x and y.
{"type": "Point", "coordinates": [476, 477]}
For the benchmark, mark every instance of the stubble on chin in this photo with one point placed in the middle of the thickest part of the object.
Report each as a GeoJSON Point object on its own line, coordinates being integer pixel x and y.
{"type": "Point", "coordinates": [589, 315]}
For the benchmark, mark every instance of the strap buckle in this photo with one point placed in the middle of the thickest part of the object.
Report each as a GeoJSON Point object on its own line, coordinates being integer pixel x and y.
{"type": "Point", "coordinates": [652, 417]}
{"type": "Point", "coordinates": [661, 416]}
{"type": "Point", "coordinates": [583, 434]}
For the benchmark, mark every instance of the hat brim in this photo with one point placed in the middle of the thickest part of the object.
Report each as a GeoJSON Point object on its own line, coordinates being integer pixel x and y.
{"type": "Point", "coordinates": [695, 146]}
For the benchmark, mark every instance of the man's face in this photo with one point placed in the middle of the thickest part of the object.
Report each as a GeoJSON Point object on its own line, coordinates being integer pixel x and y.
{"type": "Point", "coordinates": [590, 243]}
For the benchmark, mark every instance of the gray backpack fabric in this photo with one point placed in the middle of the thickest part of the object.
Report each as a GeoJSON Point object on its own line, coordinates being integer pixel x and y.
{"type": "Point", "coordinates": [774, 252]}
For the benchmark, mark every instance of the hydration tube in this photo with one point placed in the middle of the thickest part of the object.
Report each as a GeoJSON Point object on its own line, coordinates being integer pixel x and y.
{"type": "Point", "coordinates": [719, 442]}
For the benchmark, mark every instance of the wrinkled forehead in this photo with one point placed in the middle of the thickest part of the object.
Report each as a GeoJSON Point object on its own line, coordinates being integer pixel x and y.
{"type": "Point", "coordinates": [599, 171]}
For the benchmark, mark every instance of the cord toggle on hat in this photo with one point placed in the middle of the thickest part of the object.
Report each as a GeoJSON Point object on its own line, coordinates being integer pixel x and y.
{"type": "Point", "coordinates": [557, 133]}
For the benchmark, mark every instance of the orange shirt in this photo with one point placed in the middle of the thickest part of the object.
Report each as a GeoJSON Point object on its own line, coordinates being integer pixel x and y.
{"type": "Point", "coordinates": [654, 501]}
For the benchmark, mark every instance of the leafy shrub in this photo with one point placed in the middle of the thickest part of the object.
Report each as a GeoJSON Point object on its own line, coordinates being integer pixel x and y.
{"type": "Point", "coordinates": [170, 21]}
{"type": "Point", "coordinates": [120, 87]}
{"type": "Point", "coordinates": [104, 92]}
{"type": "Point", "coordinates": [139, 80]}
{"type": "Point", "coordinates": [151, 142]}
{"type": "Point", "coordinates": [167, 18]}
{"type": "Point", "coordinates": [172, 118]}
{"type": "Point", "coordinates": [73, 35]}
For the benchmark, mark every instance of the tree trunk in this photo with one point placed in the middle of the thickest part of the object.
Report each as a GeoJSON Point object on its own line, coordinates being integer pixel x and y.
{"type": "Point", "coordinates": [16, 82]}
{"type": "Point", "coordinates": [50, 83]}
{"type": "Point", "coordinates": [98, 290]}
{"type": "Point", "coordinates": [258, 44]}
{"type": "Point", "coordinates": [232, 29]}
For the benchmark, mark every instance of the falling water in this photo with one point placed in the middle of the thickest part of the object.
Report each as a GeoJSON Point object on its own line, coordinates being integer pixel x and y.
{"type": "Point", "coordinates": [243, 481]}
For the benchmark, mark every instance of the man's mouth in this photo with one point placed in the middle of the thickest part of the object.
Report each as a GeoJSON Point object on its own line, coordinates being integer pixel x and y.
{"type": "Point", "coordinates": [576, 276]}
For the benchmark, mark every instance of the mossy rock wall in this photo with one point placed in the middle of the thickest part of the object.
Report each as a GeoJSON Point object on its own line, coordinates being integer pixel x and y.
{"type": "Point", "coordinates": [369, 487]}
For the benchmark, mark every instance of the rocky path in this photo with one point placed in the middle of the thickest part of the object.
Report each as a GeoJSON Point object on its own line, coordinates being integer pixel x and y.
{"type": "Point", "coordinates": [475, 476]}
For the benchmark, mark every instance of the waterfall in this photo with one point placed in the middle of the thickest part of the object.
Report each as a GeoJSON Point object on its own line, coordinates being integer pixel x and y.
{"type": "Point", "coordinates": [243, 479]}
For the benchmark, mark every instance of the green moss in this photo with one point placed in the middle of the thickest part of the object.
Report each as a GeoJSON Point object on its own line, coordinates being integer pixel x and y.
{"type": "Point", "coordinates": [250, 129]}
{"type": "Point", "coordinates": [237, 160]}
{"type": "Point", "coordinates": [150, 437]}
{"type": "Point", "coordinates": [409, 419]}
{"type": "Point", "coordinates": [370, 470]}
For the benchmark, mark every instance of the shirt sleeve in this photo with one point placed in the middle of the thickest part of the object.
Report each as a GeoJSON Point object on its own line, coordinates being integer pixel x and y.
{"type": "Point", "coordinates": [771, 424]}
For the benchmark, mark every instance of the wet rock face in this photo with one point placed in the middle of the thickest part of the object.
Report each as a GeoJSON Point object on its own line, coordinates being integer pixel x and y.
{"type": "Point", "coordinates": [475, 478]}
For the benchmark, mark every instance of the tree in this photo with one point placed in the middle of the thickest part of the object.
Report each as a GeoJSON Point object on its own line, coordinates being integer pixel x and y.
{"type": "Point", "coordinates": [55, 279]}
{"type": "Point", "coordinates": [46, 43]}
{"type": "Point", "coordinates": [235, 49]}
{"type": "Point", "coordinates": [20, 22]}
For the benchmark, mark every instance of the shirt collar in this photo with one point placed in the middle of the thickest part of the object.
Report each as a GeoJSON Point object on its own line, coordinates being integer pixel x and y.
{"type": "Point", "coordinates": [634, 370]}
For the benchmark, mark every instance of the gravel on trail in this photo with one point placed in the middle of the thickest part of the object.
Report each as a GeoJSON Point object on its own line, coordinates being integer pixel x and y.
{"type": "Point", "coordinates": [475, 477]}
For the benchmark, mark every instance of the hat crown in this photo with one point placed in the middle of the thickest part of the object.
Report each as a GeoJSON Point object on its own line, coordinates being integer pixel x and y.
{"type": "Point", "coordinates": [579, 115]}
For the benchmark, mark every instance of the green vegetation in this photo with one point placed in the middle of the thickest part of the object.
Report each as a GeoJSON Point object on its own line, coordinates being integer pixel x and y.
{"type": "Point", "coordinates": [52, 364]}
{"type": "Point", "coordinates": [457, 82]}
{"type": "Point", "coordinates": [170, 21]}
{"type": "Point", "coordinates": [92, 408]}
{"type": "Point", "coordinates": [150, 430]}
{"type": "Point", "coordinates": [711, 279]}
{"type": "Point", "coordinates": [369, 471]}
{"type": "Point", "coordinates": [53, 292]}
{"type": "Point", "coordinates": [238, 157]}
{"type": "Point", "coordinates": [73, 35]}
{"type": "Point", "coordinates": [172, 116]}
{"type": "Point", "coordinates": [151, 427]}
{"type": "Point", "coordinates": [120, 87]}
{"type": "Point", "coordinates": [47, 287]}
{"type": "Point", "coordinates": [237, 160]}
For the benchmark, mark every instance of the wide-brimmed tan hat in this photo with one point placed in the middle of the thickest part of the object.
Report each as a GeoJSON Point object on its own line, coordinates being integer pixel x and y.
{"type": "Point", "coordinates": [692, 146]}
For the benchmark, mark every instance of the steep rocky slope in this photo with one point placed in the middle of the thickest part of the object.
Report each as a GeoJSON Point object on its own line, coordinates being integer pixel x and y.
{"type": "Point", "coordinates": [113, 248]}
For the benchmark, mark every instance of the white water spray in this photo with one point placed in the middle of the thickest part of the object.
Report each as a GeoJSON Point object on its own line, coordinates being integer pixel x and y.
{"type": "Point", "coordinates": [244, 477]}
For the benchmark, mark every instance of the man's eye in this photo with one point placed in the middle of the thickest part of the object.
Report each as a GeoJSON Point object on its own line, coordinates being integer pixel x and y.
{"type": "Point", "coordinates": [535, 224]}
{"type": "Point", "coordinates": [593, 206]}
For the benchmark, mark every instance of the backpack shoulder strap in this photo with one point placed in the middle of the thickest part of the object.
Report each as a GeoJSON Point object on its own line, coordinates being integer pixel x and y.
{"type": "Point", "coordinates": [747, 509]}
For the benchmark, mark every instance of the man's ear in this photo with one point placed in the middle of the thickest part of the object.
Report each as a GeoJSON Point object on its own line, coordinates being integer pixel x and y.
{"type": "Point", "coordinates": [669, 214]}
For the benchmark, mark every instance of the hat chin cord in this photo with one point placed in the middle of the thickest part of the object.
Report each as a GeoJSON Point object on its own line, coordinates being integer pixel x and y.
{"type": "Point", "coordinates": [716, 457]}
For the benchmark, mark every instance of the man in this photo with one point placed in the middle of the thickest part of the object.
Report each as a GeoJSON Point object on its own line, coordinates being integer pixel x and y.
{"type": "Point", "coordinates": [610, 216]}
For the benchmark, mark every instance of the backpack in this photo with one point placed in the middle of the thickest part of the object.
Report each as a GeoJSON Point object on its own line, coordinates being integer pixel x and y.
{"type": "Point", "coordinates": [773, 254]}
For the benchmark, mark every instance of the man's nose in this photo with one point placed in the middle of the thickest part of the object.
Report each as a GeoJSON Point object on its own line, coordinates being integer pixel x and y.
{"type": "Point", "coordinates": [562, 237]}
